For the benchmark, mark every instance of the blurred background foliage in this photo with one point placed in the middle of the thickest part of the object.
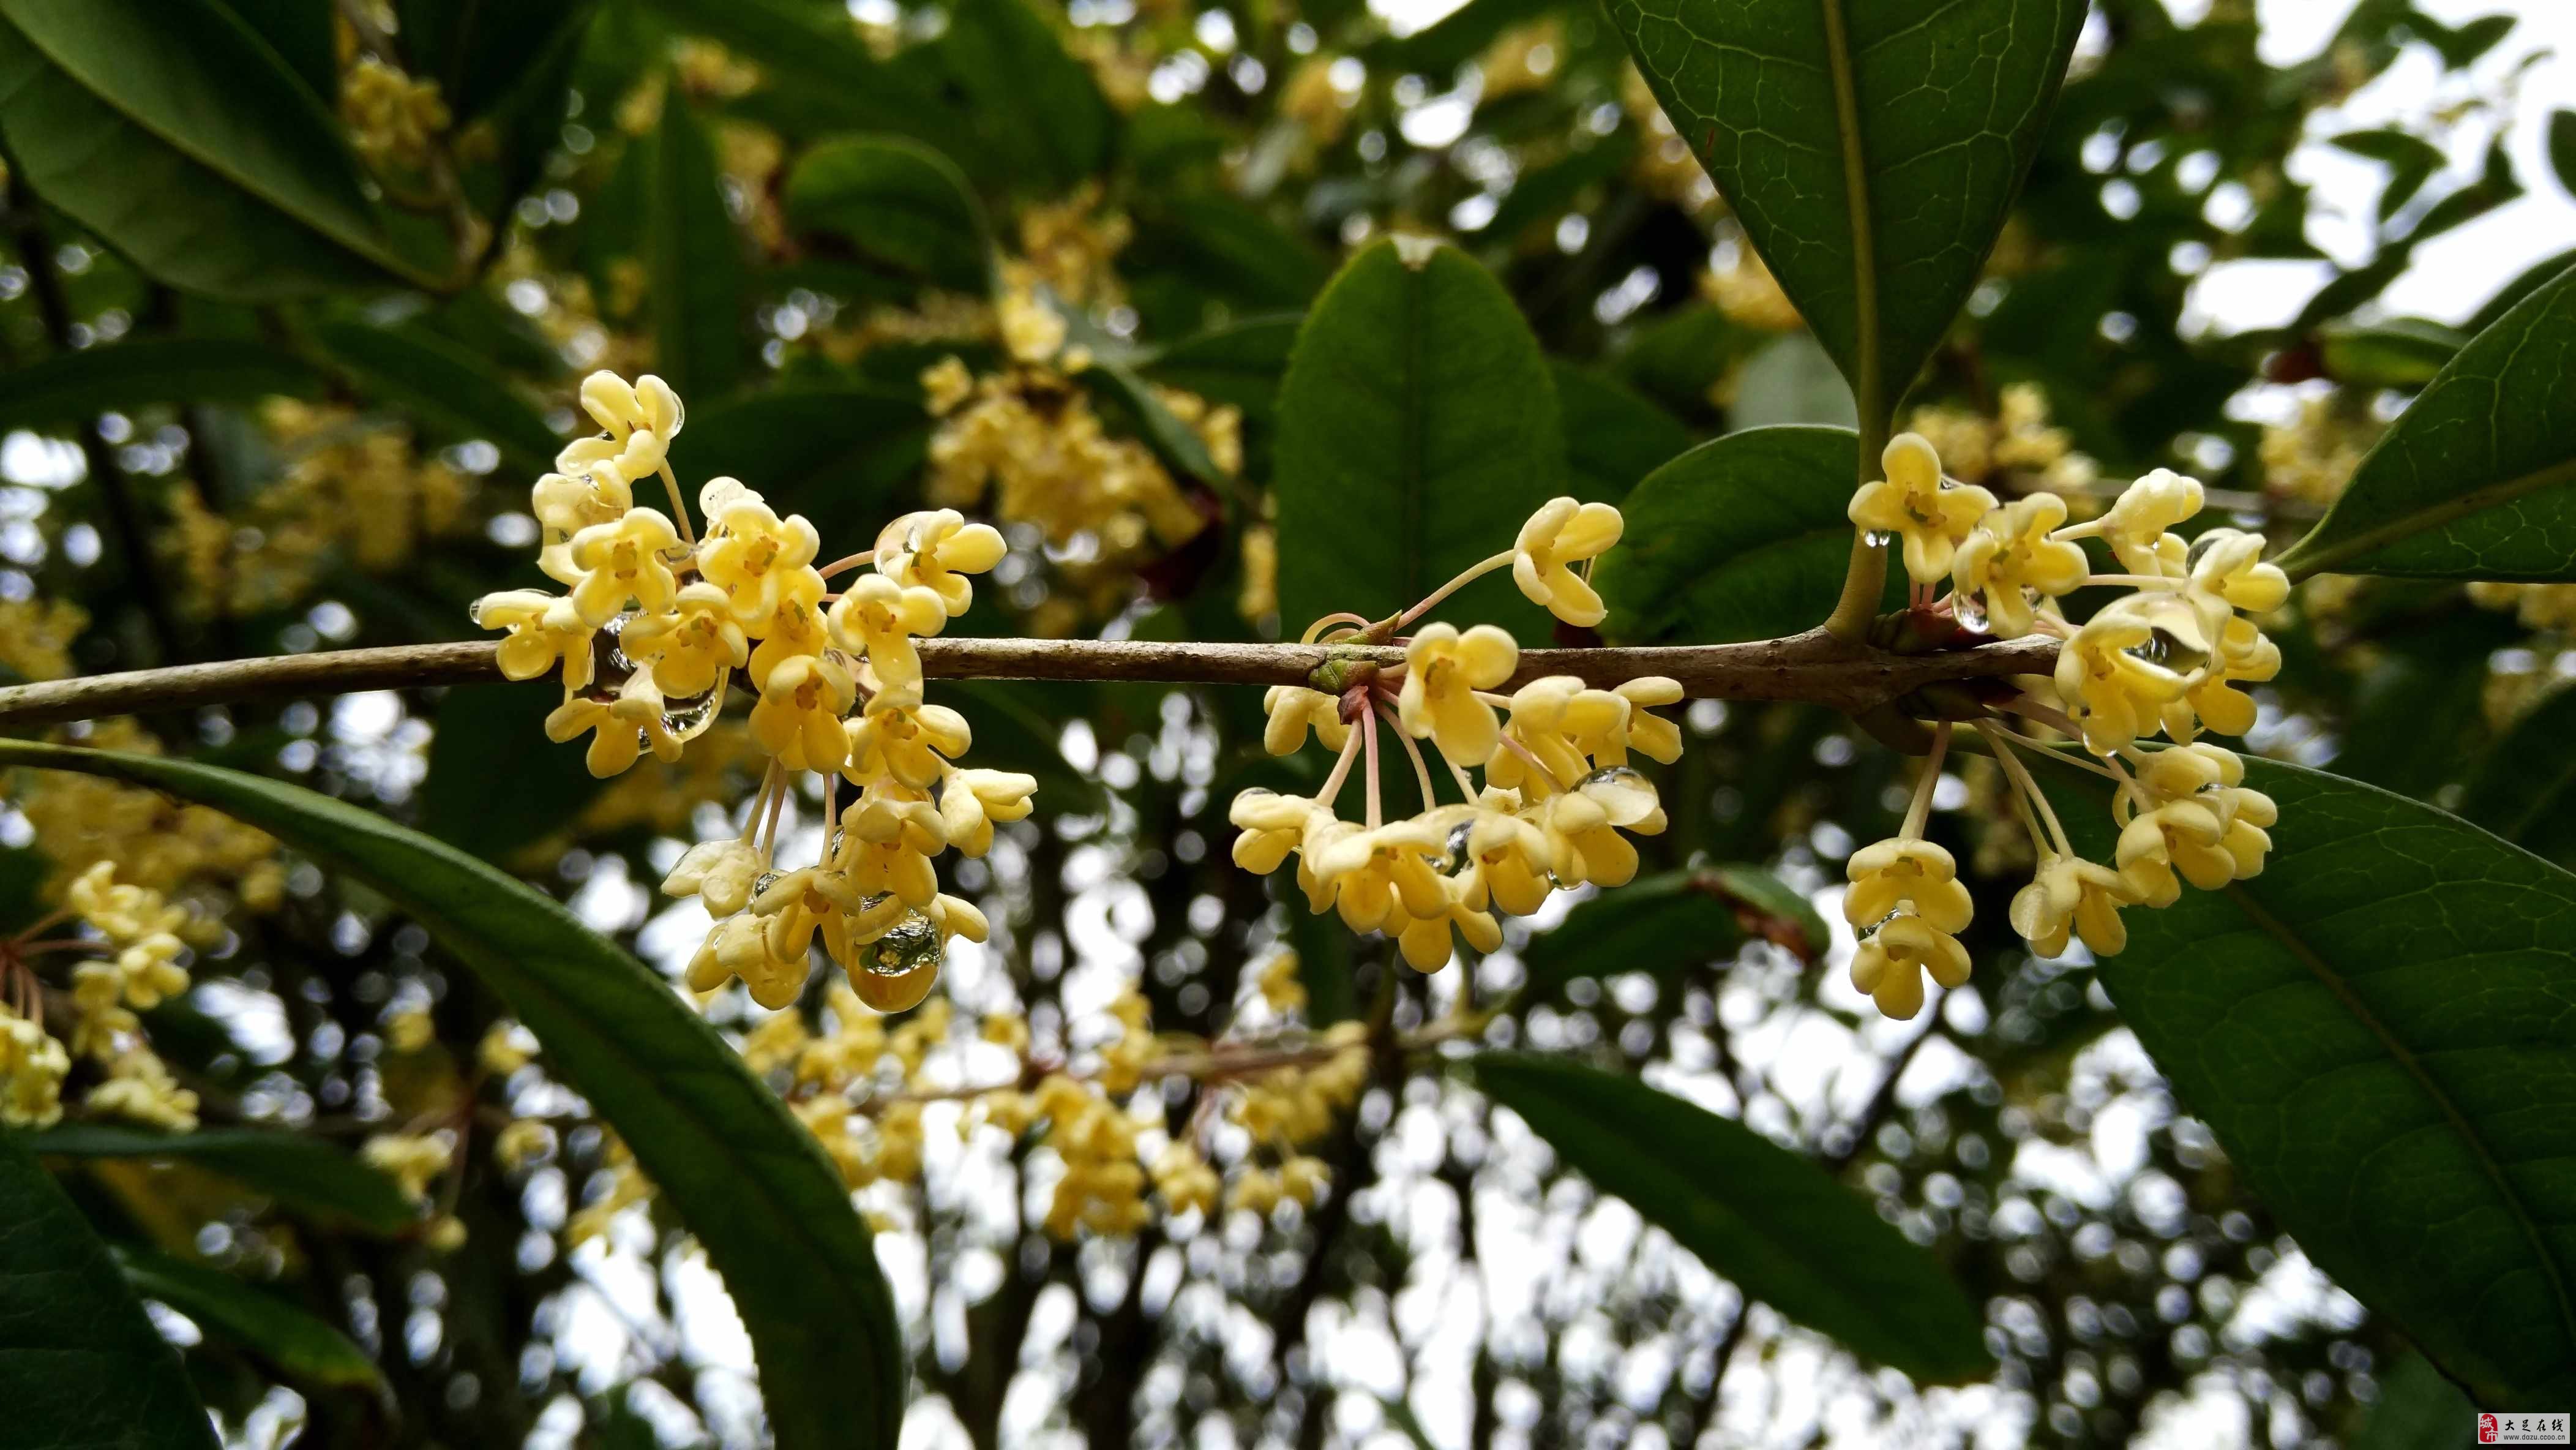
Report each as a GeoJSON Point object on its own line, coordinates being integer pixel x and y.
{"type": "Point", "coordinates": [300, 407]}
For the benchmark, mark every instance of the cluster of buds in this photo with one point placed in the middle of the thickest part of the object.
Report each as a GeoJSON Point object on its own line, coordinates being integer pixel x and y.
{"type": "Point", "coordinates": [2164, 656]}
{"type": "Point", "coordinates": [1557, 789]}
{"type": "Point", "coordinates": [654, 625]}
{"type": "Point", "coordinates": [133, 960]}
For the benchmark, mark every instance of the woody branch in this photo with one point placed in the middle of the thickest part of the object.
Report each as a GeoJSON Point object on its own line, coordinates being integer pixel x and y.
{"type": "Point", "coordinates": [1812, 667]}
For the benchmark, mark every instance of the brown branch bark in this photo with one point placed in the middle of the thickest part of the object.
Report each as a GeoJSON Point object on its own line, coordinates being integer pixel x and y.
{"type": "Point", "coordinates": [1812, 667]}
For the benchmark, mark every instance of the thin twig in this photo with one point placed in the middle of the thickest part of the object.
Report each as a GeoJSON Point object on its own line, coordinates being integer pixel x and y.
{"type": "Point", "coordinates": [1811, 667]}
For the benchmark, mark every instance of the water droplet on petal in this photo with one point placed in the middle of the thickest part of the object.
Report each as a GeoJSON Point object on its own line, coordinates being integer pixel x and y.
{"type": "Point", "coordinates": [1877, 538]}
{"type": "Point", "coordinates": [1627, 796]}
{"type": "Point", "coordinates": [688, 717]}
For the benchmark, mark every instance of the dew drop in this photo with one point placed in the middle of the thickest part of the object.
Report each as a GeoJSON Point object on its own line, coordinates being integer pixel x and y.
{"type": "Point", "coordinates": [1877, 538]}
{"type": "Point", "coordinates": [1627, 796]}
{"type": "Point", "coordinates": [907, 946]}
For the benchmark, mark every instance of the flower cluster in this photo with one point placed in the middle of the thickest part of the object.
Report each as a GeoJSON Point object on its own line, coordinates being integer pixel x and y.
{"type": "Point", "coordinates": [652, 627]}
{"type": "Point", "coordinates": [392, 118]}
{"type": "Point", "coordinates": [2163, 657]}
{"type": "Point", "coordinates": [349, 490]}
{"type": "Point", "coordinates": [1557, 790]}
{"type": "Point", "coordinates": [1027, 440]}
{"type": "Point", "coordinates": [133, 958]}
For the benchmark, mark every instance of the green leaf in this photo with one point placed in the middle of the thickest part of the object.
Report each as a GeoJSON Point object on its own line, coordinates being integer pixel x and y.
{"type": "Point", "coordinates": [2403, 352]}
{"type": "Point", "coordinates": [2411, 161]}
{"type": "Point", "coordinates": [897, 202]}
{"type": "Point", "coordinates": [745, 1177]}
{"type": "Point", "coordinates": [1871, 148]}
{"type": "Point", "coordinates": [1665, 925]}
{"type": "Point", "coordinates": [1743, 538]}
{"type": "Point", "coordinates": [481, 51]}
{"type": "Point", "coordinates": [1790, 381]}
{"type": "Point", "coordinates": [694, 258]}
{"type": "Point", "coordinates": [549, 785]}
{"type": "Point", "coordinates": [2377, 1028]}
{"type": "Point", "coordinates": [80, 1364]}
{"type": "Point", "coordinates": [2473, 481]}
{"type": "Point", "coordinates": [2417, 1410]}
{"type": "Point", "coordinates": [2562, 148]}
{"type": "Point", "coordinates": [444, 384]}
{"type": "Point", "coordinates": [1614, 435]}
{"type": "Point", "coordinates": [73, 387]}
{"type": "Point", "coordinates": [296, 1342]}
{"type": "Point", "coordinates": [1757, 1214]}
{"type": "Point", "coordinates": [1417, 428]}
{"type": "Point", "coordinates": [304, 1173]}
{"type": "Point", "coordinates": [179, 136]}
{"type": "Point", "coordinates": [300, 32]}
{"type": "Point", "coordinates": [1039, 108]}
{"type": "Point", "coordinates": [2525, 788]}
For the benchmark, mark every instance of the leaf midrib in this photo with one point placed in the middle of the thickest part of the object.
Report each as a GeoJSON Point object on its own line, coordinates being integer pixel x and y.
{"type": "Point", "coordinates": [2334, 982]}
{"type": "Point", "coordinates": [2301, 562]}
{"type": "Point", "coordinates": [1868, 385]}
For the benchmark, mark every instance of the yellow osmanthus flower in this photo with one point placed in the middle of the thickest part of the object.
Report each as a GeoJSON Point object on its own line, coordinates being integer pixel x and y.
{"type": "Point", "coordinates": [1443, 671]}
{"type": "Point", "coordinates": [762, 562]}
{"type": "Point", "coordinates": [140, 1087]}
{"type": "Point", "coordinates": [36, 636]}
{"type": "Point", "coordinates": [545, 631]}
{"type": "Point", "coordinates": [1561, 534]}
{"type": "Point", "coordinates": [2228, 574]}
{"type": "Point", "coordinates": [907, 742]}
{"type": "Point", "coordinates": [798, 717]}
{"type": "Point", "coordinates": [628, 561]}
{"type": "Point", "coordinates": [689, 648]}
{"type": "Point", "coordinates": [1906, 875]}
{"type": "Point", "coordinates": [2011, 555]}
{"type": "Point", "coordinates": [2135, 525]}
{"type": "Point", "coordinates": [1292, 710]}
{"type": "Point", "coordinates": [1912, 504]}
{"type": "Point", "coordinates": [879, 618]}
{"type": "Point", "coordinates": [2071, 897]}
{"type": "Point", "coordinates": [32, 1068]}
{"type": "Point", "coordinates": [621, 725]}
{"type": "Point", "coordinates": [1891, 962]}
{"type": "Point", "coordinates": [637, 425]}
{"type": "Point", "coordinates": [936, 550]}
{"type": "Point", "coordinates": [2119, 672]}
{"type": "Point", "coordinates": [392, 117]}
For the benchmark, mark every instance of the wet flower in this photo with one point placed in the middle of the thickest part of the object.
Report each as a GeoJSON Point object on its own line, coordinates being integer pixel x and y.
{"type": "Point", "coordinates": [1443, 671]}
{"type": "Point", "coordinates": [936, 550]}
{"type": "Point", "coordinates": [1911, 504]}
{"type": "Point", "coordinates": [1561, 534]}
{"type": "Point", "coordinates": [689, 647]}
{"type": "Point", "coordinates": [2011, 555]}
{"type": "Point", "coordinates": [543, 629]}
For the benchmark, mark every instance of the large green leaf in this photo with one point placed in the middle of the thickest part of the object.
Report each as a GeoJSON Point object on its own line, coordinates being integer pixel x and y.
{"type": "Point", "coordinates": [1743, 538]}
{"type": "Point", "coordinates": [1755, 1213]}
{"type": "Point", "coordinates": [444, 384]}
{"type": "Point", "coordinates": [1614, 435]}
{"type": "Point", "coordinates": [296, 1342]}
{"type": "Point", "coordinates": [181, 138]}
{"type": "Point", "coordinates": [694, 257]}
{"type": "Point", "coordinates": [2477, 478]}
{"type": "Point", "coordinates": [307, 1174]}
{"type": "Point", "coordinates": [728, 1158]}
{"type": "Point", "coordinates": [897, 202]}
{"type": "Point", "coordinates": [2381, 1030]}
{"type": "Point", "coordinates": [73, 387]}
{"type": "Point", "coordinates": [1417, 428]}
{"type": "Point", "coordinates": [80, 1365]}
{"type": "Point", "coordinates": [1664, 926]}
{"type": "Point", "coordinates": [1871, 148]}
